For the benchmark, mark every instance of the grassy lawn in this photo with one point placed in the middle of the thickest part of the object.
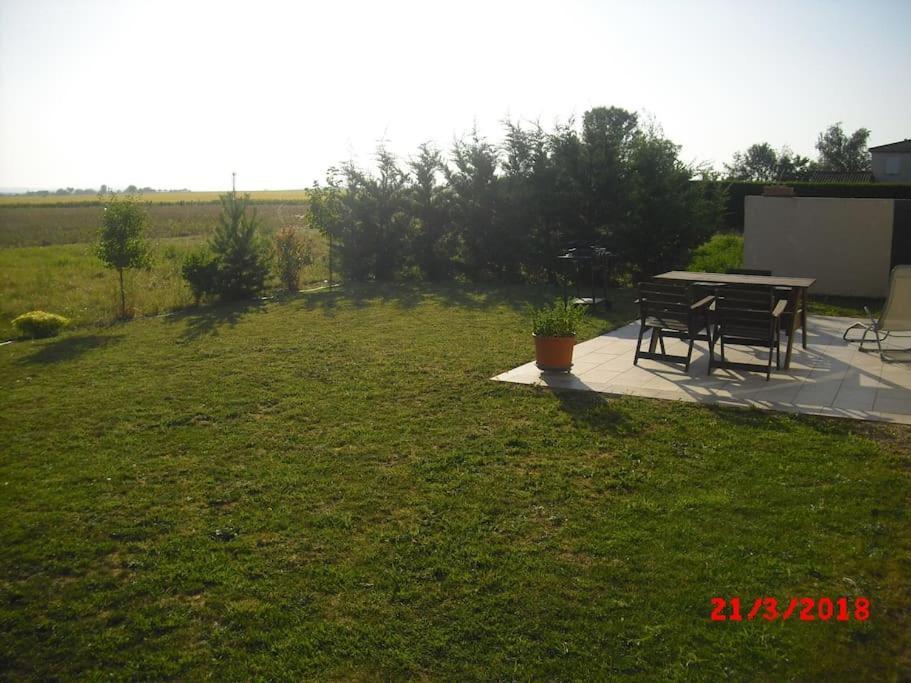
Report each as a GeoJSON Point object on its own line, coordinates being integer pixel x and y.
{"type": "Point", "coordinates": [328, 486]}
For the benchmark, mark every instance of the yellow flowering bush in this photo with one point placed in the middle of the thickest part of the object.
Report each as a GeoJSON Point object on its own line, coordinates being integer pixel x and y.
{"type": "Point", "coordinates": [40, 324]}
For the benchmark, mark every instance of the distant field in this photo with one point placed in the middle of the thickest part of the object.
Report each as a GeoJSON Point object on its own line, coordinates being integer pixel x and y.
{"type": "Point", "coordinates": [70, 280]}
{"type": "Point", "coordinates": [154, 197]}
{"type": "Point", "coordinates": [38, 225]}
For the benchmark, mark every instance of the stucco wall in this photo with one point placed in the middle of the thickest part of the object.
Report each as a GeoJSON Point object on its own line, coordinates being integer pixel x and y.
{"type": "Point", "coordinates": [846, 244]}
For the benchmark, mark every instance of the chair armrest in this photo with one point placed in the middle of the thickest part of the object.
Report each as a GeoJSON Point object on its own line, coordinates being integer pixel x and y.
{"type": "Point", "coordinates": [779, 308]}
{"type": "Point", "coordinates": [702, 302]}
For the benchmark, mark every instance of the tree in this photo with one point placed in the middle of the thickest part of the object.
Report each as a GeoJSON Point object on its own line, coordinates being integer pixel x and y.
{"type": "Point", "coordinates": [669, 212]}
{"type": "Point", "coordinates": [324, 213]}
{"type": "Point", "coordinates": [368, 215]}
{"type": "Point", "coordinates": [240, 251]}
{"type": "Point", "coordinates": [432, 236]}
{"type": "Point", "coordinates": [608, 135]}
{"type": "Point", "coordinates": [839, 152]}
{"type": "Point", "coordinates": [762, 163]}
{"type": "Point", "coordinates": [472, 178]}
{"type": "Point", "coordinates": [121, 243]}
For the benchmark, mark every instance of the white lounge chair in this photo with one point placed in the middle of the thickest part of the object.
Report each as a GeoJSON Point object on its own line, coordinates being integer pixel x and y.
{"type": "Point", "coordinates": [896, 315]}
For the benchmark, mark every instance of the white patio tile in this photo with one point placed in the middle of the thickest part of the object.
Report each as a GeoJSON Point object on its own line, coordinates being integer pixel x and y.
{"type": "Point", "coordinates": [830, 377]}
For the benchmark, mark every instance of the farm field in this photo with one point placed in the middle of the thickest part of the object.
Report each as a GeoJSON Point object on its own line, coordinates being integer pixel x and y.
{"type": "Point", "coordinates": [154, 197]}
{"type": "Point", "coordinates": [329, 486]}
{"type": "Point", "coordinates": [28, 226]}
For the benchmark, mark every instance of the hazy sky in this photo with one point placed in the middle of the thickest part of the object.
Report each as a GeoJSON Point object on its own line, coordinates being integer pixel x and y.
{"type": "Point", "coordinates": [179, 94]}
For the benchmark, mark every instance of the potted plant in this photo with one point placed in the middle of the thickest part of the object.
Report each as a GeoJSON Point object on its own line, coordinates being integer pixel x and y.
{"type": "Point", "coordinates": [554, 328]}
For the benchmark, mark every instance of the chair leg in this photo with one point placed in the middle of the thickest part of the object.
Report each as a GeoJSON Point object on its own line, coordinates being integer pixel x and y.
{"type": "Point", "coordinates": [879, 345]}
{"type": "Point", "coordinates": [661, 341]}
{"type": "Point", "coordinates": [777, 340]}
{"type": "Point", "coordinates": [768, 372]}
{"type": "Point", "coordinates": [712, 340]}
{"type": "Point", "coordinates": [689, 355]}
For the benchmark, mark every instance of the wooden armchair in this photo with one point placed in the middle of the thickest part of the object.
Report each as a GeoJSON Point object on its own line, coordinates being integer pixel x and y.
{"type": "Point", "coordinates": [668, 309]}
{"type": "Point", "coordinates": [748, 316]}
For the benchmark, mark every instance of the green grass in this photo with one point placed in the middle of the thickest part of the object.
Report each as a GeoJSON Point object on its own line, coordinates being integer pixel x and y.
{"type": "Point", "coordinates": [329, 486]}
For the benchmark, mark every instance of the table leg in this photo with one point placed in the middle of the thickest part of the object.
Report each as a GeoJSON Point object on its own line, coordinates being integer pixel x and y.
{"type": "Point", "coordinates": [803, 317]}
{"type": "Point", "coordinates": [794, 300]}
{"type": "Point", "coordinates": [653, 342]}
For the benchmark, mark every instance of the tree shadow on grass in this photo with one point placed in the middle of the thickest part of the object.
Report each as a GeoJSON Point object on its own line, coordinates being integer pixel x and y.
{"type": "Point", "coordinates": [471, 296]}
{"type": "Point", "coordinates": [207, 321]}
{"type": "Point", "coordinates": [68, 348]}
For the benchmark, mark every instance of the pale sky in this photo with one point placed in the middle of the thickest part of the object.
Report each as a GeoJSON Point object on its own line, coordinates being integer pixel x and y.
{"type": "Point", "coordinates": [179, 94]}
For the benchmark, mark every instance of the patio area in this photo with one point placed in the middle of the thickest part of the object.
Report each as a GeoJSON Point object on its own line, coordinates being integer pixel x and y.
{"type": "Point", "coordinates": [830, 377]}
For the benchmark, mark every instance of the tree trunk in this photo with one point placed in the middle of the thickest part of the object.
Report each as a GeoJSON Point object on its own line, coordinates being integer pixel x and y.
{"type": "Point", "coordinates": [123, 303]}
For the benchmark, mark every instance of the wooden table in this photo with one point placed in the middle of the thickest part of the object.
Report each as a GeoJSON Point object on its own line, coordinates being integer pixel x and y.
{"type": "Point", "coordinates": [797, 300]}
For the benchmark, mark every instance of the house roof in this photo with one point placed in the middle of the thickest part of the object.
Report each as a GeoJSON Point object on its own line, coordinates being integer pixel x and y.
{"type": "Point", "coordinates": [841, 177]}
{"type": "Point", "coordinates": [903, 146]}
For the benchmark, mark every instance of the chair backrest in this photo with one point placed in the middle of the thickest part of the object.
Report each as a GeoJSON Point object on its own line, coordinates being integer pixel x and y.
{"type": "Point", "coordinates": [896, 313]}
{"type": "Point", "coordinates": [745, 310]}
{"type": "Point", "coordinates": [747, 271]}
{"type": "Point", "coordinates": [667, 299]}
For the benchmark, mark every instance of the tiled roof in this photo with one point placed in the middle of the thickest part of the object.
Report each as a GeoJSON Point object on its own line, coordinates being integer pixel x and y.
{"type": "Point", "coordinates": [841, 177]}
{"type": "Point", "coordinates": [903, 146]}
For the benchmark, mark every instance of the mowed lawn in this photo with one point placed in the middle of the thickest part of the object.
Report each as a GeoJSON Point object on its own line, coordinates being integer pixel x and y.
{"type": "Point", "coordinates": [329, 486]}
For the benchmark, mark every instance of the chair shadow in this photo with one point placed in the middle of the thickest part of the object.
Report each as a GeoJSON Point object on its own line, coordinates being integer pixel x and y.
{"type": "Point", "coordinates": [68, 348]}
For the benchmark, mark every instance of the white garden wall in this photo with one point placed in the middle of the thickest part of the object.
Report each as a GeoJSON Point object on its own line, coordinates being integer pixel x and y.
{"type": "Point", "coordinates": [846, 244]}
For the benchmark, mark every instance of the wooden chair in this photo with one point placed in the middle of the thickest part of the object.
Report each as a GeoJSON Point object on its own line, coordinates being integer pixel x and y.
{"type": "Point", "coordinates": [668, 309]}
{"type": "Point", "coordinates": [747, 316]}
{"type": "Point", "coordinates": [780, 293]}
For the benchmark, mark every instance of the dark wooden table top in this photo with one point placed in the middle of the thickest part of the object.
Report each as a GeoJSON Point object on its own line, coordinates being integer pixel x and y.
{"type": "Point", "coordinates": [725, 278]}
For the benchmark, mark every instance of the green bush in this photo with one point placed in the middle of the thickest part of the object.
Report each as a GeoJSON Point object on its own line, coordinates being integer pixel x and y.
{"type": "Point", "coordinates": [200, 270]}
{"type": "Point", "coordinates": [557, 320]}
{"type": "Point", "coordinates": [40, 324]}
{"type": "Point", "coordinates": [721, 252]}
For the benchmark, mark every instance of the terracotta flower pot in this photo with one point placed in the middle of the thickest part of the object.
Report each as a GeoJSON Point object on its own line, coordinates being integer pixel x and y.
{"type": "Point", "coordinates": [554, 353]}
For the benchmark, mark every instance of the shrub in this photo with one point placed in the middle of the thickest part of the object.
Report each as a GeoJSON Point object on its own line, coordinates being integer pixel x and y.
{"type": "Point", "coordinates": [292, 253]}
{"type": "Point", "coordinates": [721, 252]}
{"type": "Point", "coordinates": [557, 320]}
{"type": "Point", "coordinates": [200, 270]}
{"type": "Point", "coordinates": [40, 324]}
